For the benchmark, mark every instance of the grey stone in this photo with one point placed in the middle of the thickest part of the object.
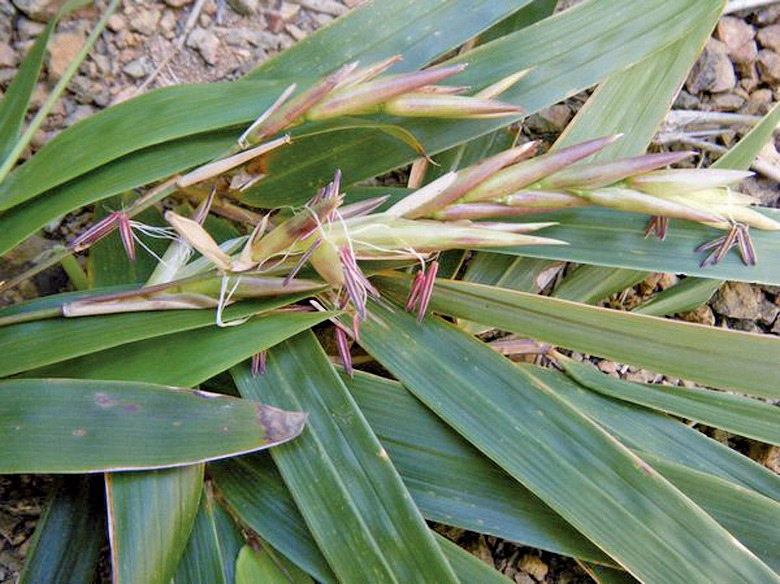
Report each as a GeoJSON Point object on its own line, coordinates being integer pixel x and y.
{"type": "Point", "coordinates": [244, 7]}
{"type": "Point", "coordinates": [40, 10]}
{"type": "Point", "coordinates": [63, 49]}
{"type": "Point", "coordinates": [737, 300]}
{"type": "Point", "coordinates": [7, 55]}
{"type": "Point", "coordinates": [769, 65]}
{"type": "Point", "coordinates": [713, 71]}
{"type": "Point", "coordinates": [137, 68]}
{"type": "Point", "coordinates": [206, 43]}
{"type": "Point", "coordinates": [738, 37]}
{"type": "Point", "coordinates": [145, 21]}
{"type": "Point", "coordinates": [769, 37]}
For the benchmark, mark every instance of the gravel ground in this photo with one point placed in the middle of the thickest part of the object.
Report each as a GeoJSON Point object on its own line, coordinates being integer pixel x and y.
{"type": "Point", "coordinates": [155, 43]}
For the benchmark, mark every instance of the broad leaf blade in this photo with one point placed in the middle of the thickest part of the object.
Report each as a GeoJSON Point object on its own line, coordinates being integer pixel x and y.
{"type": "Point", "coordinates": [69, 535]}
{"type": "Point", "coordinates": [658, 436]}
{"type": "Point", "coordinates": [255, 566]}
{"type": "Point", "coordinates": [590, 284]}
{"type": "Point", "coordinates": [350, 495]}
{"type": "Point", "coordinates": [592, 476]}
{"type": "Point", "coordinates": [612, 238]}
{"type": "Point", "coordinates": [190, 357]}
{"type": "Point", "coordinates": [150, 516]}
{"type": "Point", "coordinates": [214, 544]}
{"type": "Point", "coordinates": [65, 426]}
{"type": "Point", "coordinates": [755, 519]}
{"type": "Point", "coordinates": [737, 414]}
{"type": "Point", "coordinates": [67, 338]}
{"type": "Point", "coordinates": [710, 356]}
{"type": "Point", "coordinates": [256, 494]}
{"type": "Point", "coordinates": [484, 499]}
{"type": "Point", "coordinates": [389, 28]}
{"type": "Point", "coordinates": [682, 297]}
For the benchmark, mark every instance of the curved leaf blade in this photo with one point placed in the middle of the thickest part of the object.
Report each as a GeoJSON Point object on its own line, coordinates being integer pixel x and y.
{"type": "Point", "coordinates": [190, 357]}
{"type": "Point", "coordinates": [69, 535]}
{"type": "Point", "coordinates": [68, 338]}
{"type": "Point", "coordinates": [735, 413]}
{"type": "Point", "coordinates": [150, 517]}
{"type": "Point", "coordinates": [484, 499]}
{"type": "Point", "coordinates": [709, 356]}
{"type": "Point", "coordinates": [592, 476]}
{"type": "Point", "coordinates": [67, 426]}
{"type": "Point", "coordinates": [214, 544]}
{"type": "Point", "coordinates": [349, 493]}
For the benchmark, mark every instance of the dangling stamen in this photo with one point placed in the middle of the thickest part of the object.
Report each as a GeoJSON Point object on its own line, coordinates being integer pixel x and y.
{"type": "Point", "coordinates": [126, 234]}
{"type": "Point", "coordinates": [355, 282]}
{"type": "Point", "coordinates": [414, 292]}
{"type": "Point", "coordinates": [259, 363]}
{"type": "Point", "coordinates": [746, 250]}
{"type": "Point", "coordinates": [342, 344]}
{"type": "Point", "coordinates": [301, 262]}
{"type": "Point", "coordinates": [426, 290]}
{"type": "Point", "coordinates": [95, 233]}
{"type": "Point", "coordinates": [721, 247]}
{"type": "Point", "coordinates": [657, 226]}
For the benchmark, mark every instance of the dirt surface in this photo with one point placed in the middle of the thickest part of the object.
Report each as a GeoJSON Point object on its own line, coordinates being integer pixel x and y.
{"type": "Point", "coordinates": [155, 43]}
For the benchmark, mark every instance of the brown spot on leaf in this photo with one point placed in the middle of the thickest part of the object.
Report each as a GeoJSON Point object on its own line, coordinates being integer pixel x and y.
{"type": "Point", "coordinates": [280, 425]}
{"type": "Point", "coordinates": [105, 401]}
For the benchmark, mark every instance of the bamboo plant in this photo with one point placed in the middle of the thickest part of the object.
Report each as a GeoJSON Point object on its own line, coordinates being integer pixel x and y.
{"type": "Point", "coordinates": [278, 378]}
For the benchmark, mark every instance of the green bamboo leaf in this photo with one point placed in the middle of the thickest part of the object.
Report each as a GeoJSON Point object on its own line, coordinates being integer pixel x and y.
{"type": "Point", "coordinates": [150, 516]}
{"type": "Point", "coordinates": [67, 338]}
{"type": "Point", "coordinates": [387, 29]}
{"type": "Point", "coordinates": [428, 453]}
{"type": "Point", "coordinates": [753, 518]}
{"type": "Point", "coordinates": [256, 566]}
{"type": "Point", "coordinates": [186, 358]}
{"type": "Point", "coordinates": [256, 494]}
{"type": "Point", "coordinates": [141, 167]}
{"type": "Point", "coordinates": [591, 284]}
{"type": "Point", "coordinates": [565, 458]}
{"type": "Point", "coordinates": [13, 106]}
{"type": "Point", "coordinates": [157, 116]}
{"type": "Point", "coordinates": [653, 82]}
{"type": "Point", "coordinates": [601, 38]}
{"type": "Point", "coordinates": [705, 470]}
{"type": "Point", "coordinates": [616, 239]}
{"type": "Point", "coordinates": [214, 544]}
{"type": "Point", "coordinates": [147, 120]}
{"type": "Point", "coordinates": [69, 535]}
{"type": "Point", "coordinates": [349, 493]}
{"type": "Point", "coordinates": [737, 414]}
{"type": "Point", "coordinates": [656, 436]}
{"type": "Point", "coordinates": [744, 152]}
{"type": "Point", "coordinates": [66, 426]}
{"type": "Point", "coordinates": [605, 575]}
{"type": "Point", "coordinates": [682, 297]}
{"type": "Point", "coordinates": [706, 355]}
{"type": "Point", "coordinates": [533, 13]}
{"type": "Point", "coordinates": [515, 273]}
